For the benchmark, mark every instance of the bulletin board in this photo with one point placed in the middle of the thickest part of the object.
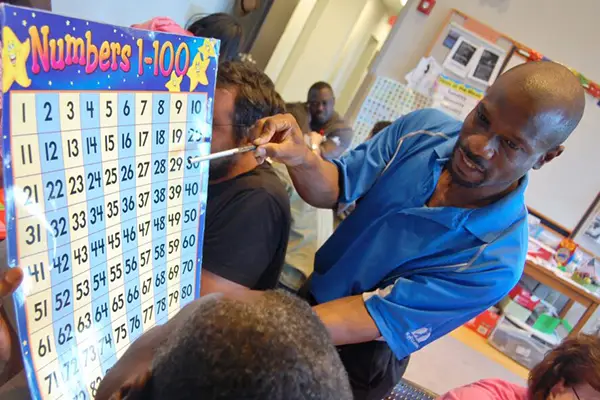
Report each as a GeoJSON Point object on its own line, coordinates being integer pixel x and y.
{"type": "Point", "coordinates": [104, 202]}
{"type": "Point", "coordinates": [462, 30]}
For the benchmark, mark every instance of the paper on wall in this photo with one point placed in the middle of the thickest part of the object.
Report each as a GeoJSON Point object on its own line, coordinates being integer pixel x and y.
{"type": "Point", "coordinates": [486, 65]}
{"type": "Point", "coordinates": [455, 98]}
{"type": "Point", "coordinates": [461, 57]}
{"type": "Point", "coordinates": [423, 78]}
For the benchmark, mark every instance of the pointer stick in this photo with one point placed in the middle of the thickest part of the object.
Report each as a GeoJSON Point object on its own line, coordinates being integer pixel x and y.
{"type": "Point", "coordinates": [221, 154]}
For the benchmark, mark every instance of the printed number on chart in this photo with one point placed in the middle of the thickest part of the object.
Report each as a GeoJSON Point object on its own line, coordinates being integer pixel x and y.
{"type": "Point", "coordinates": [159, 195]}
{"type": "Point", "coordinates": [55, 190]}
{"type": "Point", "coordinates": [174, 220]}
{"type": "Point", "coordinates": [190, 215]}
{"type": "Point", "coordinates": [145, 258]}
{"type": "Point", "coordinates": [191, 189]}
{"type": "Point", "coordinates": [129, 234]}
{"type": "Point", "coordinates": [175, 164]}
{"type": "Point", "coordinates": [97, 247]}
{"type": "Point", "coordinates": [114, 240]}
{"type": "Point", "coordinates": [146, 287]}
{"type": "Point", "coordinates": [81, 255]}
{"type": "Point", "coordinates": [184, 293]}
{"type": "Point", "coordinates": [94, 180]}
{"type": "Point", "coordinates": [133, 294]}
{"type": "Point", "coordinates": [99, 281]}
{"type": "Point", "coordinates": [144, 229]}
{"type": "Point", "coordinates": [175, 192]}
{"type": "Point", "coordinates": [101, 312]}
{"type": "Point", "coordinates": [96, 214]}
{"type": "Point", "coordinates": [131, 265]}
{"type": "Point", "coordinates": [160, 166]}
{"type": "Point", "coordinates": [187, 266]}
{"type": "Point", "coordinates": [189, 241]}
{"type": "Point", "coordinates": [143, 167]}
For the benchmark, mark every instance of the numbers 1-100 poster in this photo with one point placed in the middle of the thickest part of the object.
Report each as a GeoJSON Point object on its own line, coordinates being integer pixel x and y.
{"type": "Point", "coordinates": [105, 207]}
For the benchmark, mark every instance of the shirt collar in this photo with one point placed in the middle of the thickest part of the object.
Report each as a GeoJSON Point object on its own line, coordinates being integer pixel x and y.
{"type": "Point", "coordinates": [491, 221]}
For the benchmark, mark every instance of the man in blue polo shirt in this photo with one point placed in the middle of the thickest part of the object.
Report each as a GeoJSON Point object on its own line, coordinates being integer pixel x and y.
{"type": "Point", "coordinates": [440, 233]}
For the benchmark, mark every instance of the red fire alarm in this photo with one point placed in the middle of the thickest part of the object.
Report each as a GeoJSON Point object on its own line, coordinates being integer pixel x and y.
{"type": "Point", "coordinates": [425, 6]}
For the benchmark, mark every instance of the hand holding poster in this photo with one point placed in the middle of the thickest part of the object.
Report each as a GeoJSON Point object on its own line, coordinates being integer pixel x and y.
{"type": "Point", "coordinates": [104, 209]}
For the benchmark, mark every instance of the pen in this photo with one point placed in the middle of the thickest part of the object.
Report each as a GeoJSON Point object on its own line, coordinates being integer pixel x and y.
{"type": "Point", "coordinates": [221, 154]}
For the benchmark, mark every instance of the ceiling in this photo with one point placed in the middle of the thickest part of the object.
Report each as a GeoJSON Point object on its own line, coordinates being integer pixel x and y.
{"type": "Point", "coordinates": [394, 6]}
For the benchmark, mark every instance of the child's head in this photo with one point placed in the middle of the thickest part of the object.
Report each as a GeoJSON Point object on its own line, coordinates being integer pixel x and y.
{"type": "Point", "coordinates": [269, 346]}
{"type": "Point", "coordinates": [571, 370]}
{"type": "Point", "coordinates": [220, 26]}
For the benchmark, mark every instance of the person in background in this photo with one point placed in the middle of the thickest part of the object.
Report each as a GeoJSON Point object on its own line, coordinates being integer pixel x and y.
{"type": "Point", "coordinates": [304, 232]}
{"type": "Point", "coordinates": [336, 134]}
{"type": "Point", "coordinates": [220, 26]}
{"type": "Point", "coordinates": [378, 127]}
{"type": "Point", "coordinates": [571, 371]}
{"type": "Point", "coordinates": [441, 231]}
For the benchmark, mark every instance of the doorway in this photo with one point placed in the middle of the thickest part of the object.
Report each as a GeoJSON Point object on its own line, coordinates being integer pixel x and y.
{"type": "Point", "coordinates": [357, 75]}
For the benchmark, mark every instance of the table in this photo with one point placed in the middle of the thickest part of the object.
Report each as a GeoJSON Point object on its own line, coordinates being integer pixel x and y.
{"type": "Point", "coordinates": [574, 291]}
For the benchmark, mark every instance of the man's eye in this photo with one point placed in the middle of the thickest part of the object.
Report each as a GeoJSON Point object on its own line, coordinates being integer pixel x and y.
{"type": "Point", "coordinates": [511, 144]}
{"type": "Point", "coordinates": [482, 118]}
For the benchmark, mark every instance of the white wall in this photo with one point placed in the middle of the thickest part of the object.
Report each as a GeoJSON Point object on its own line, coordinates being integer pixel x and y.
{"type": "Point", "coordinates": [372, 15]}
{"type": "Point", "coordinates": [127, 12]}
{"type": "Point", "coordinates": [290, 36]}
{"type": "Point", "coordinates": [318, 47]}
{"type": "Point", "coordinates": [564, 31]}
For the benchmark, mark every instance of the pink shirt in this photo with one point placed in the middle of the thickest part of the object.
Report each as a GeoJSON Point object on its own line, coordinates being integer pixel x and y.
{"type": "Point", "coordinates": [162, 24]}
{"type": "Point", "coordinates": [487, 389]}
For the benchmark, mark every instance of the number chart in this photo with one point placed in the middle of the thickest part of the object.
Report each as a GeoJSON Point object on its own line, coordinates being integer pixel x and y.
{"type": "Point", "coordinates": [104, 203]}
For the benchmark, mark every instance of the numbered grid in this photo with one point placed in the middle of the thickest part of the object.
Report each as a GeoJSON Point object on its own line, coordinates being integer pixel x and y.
{"type": "Point", "coordinates": [108, 211]}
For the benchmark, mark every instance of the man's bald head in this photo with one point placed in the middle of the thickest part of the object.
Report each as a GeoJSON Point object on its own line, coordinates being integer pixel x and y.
{"type": "Point", "coordinates": [556, 98]}
{"type": "Point", "coordinates": [520, 124]}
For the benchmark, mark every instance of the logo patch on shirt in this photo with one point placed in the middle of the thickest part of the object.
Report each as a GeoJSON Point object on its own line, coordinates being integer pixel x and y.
{"type": "Point", "coordinates": [419, 336]}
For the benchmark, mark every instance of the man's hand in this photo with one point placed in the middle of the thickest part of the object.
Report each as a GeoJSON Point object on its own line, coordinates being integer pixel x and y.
{"type": "Point", "coordinates": [316, 140]}
{"type": "Point", "coordinates": [281, 139]}
{"type": "Point", "coordinates": [315, 180]}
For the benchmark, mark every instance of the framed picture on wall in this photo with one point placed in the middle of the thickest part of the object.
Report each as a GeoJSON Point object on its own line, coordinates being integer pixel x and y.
{"type": "Point", "coordinates": [487, 65]}
{"type": "Point", "coordinates": [461, 57]}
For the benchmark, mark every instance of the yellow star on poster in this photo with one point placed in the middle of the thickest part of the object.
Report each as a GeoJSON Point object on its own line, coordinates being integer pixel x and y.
{"type": "Point", "coordinates": [174, 84]}
{"type": "Point", "coordinates": [207, 50]}
{"type": "Point", "coordinates": [14, 56]}
{"type": "Point", "coordinates": [197, 72]}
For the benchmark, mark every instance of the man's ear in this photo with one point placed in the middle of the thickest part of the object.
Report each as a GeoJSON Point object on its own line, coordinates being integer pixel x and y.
{"type": "Point", "coordinates": [549, 156]}
{"type": "Point", "coordinates": [135, 388]}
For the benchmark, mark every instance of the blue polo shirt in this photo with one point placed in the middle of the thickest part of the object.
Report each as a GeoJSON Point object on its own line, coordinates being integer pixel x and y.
{"type": "Point", "coordinates": [422, 271]}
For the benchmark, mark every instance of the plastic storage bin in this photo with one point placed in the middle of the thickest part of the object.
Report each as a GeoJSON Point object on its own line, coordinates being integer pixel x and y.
{"type": "Point", "coordinates": [519, 344]}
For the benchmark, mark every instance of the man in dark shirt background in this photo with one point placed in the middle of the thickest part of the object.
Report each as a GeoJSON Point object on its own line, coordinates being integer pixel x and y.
{"type": "Point", "coordinates": [337, 135]}
{"type": "Point", "coordinates": [248, 211]}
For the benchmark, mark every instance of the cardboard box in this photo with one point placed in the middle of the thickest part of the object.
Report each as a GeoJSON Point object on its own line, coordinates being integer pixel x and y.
{"type": "Point", "coordinates": [484, 323]}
